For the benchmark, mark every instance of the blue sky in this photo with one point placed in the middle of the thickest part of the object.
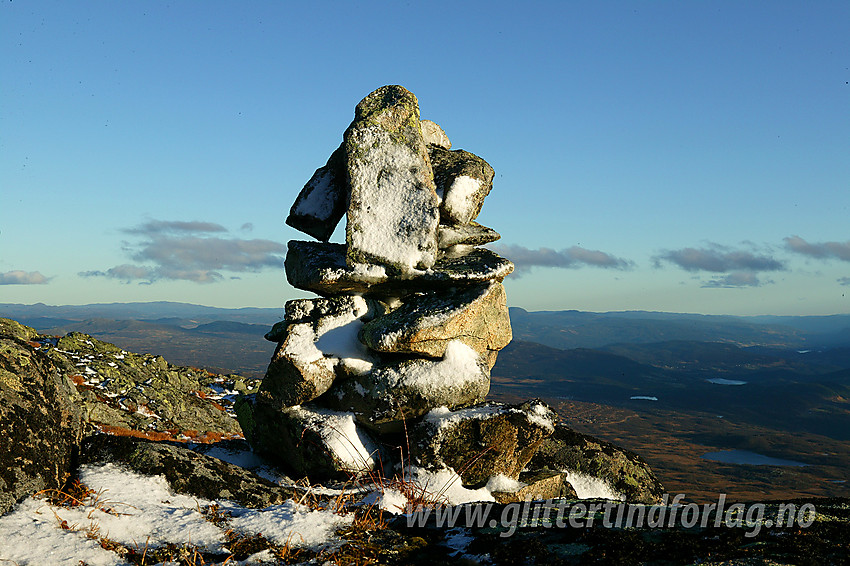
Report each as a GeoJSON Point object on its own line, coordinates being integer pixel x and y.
{"type": "Point", "coordinates": [676, 156]}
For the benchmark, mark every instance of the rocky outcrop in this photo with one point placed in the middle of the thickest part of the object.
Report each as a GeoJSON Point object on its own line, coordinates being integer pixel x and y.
{"type": "Point", "coordinates": [121, 390]}
{"type": "Point", "coordinates": [624, 471]}
{"type": "Point", "coordinates": [41, 423]}
{"type": "Point", "coordinates": [56, 390]}
{"type": "Point", "coordinates": [185, 470]}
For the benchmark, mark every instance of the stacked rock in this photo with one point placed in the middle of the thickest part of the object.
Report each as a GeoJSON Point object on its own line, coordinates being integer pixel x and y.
{"type": "Point", "coordinates": [412, 312]}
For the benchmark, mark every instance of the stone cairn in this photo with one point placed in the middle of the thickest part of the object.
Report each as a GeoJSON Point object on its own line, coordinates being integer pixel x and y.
{"type": "Point", "coordinates": [397, 351]}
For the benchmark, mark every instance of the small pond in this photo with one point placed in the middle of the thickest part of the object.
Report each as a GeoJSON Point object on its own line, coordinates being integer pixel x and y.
{"type": "Point", "coordinates": [747, 457]}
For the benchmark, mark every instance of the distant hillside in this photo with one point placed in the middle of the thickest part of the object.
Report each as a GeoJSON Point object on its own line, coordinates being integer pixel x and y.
{"type": "Point", "coordinates": [576, 329]}
{"type": "Point", "coordinates": [140, 311]}
{"type": "Point", "coordinates": [761, 389]}
{"type": "Point", "coordinates": [221, 346]}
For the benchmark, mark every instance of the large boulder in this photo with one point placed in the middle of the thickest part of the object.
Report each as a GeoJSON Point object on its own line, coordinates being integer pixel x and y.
{"type": "Point", "coordinates": [483, 441]}
{"type": "Point", "coordinates": [394, 393]}
{"type": "Point", "coordinates": [625, 471]}
{"type": "Point", "coordinates": [322, 202]}
{"type": "Point", "coordinates": [307, 440]}
{"type": "Point", "coordinates": [463, 180]}
{"type": "Point", "coordinates": [321, 268]}
{"type": "Point", "coordinates": [393, 207]}
{"type": "Point", "coordinates": [185, 470]}
{"type": "Point", "coordinates": [320, 335]}
{"type": "Point", "coordinates": [425, 325]}
{"type": "Point", "coordinates": [41, 423]}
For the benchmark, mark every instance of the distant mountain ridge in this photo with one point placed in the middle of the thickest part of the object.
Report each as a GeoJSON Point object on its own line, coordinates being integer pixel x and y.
{"type": "Point", "coordinates": [153, 311]}
{"type": "Point", "coordinates": [580, 329]}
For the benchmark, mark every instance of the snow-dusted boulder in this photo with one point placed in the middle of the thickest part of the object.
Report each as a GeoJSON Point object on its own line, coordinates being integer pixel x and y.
{"type": "Point", "coordinates": [472, 234]}
{"type": "Point", "coordinates": [463, 180]}
{"type": "Point", "coordinates": [322, 202]}
{"type": "Point", "coordinates": [320, 335]}
{"type": "Point", "coordinates": [433, 134]}
{"type": "Point", "coordinates": [307, 440]}
{"type": "Point", "coordinates": [479, 442]}
{"type": "Point", "coordinates": [393, 207]}
{"type": "Point", "coordinates": [321, 268]}
{"type": "Point", "coordinates": [384, 398]}
{"type": "Point", "coordinates": [426, 324]}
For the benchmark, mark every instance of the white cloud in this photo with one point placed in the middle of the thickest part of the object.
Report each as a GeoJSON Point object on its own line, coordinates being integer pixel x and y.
{"type": "Point", "coordinates": [719, 259]}
{"type": "Point", "coordinates": [820, 250]}
{"type": "Point", "coordinates": [186, 251]}
{"type": "Point", "coordinates": [22, 278]}
{"type": "Point", "coordinates": [570, 258]}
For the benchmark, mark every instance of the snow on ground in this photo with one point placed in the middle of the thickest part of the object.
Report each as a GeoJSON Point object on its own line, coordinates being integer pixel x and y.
{"type": "Point", "coordinates": [135, 511]}
{"type": "Point", "coordinates": [446, 485]}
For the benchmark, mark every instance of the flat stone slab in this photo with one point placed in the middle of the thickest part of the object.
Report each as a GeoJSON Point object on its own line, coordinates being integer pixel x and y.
{"type": "Point", "coordinates": [625, 471]}
{"type": "Point", "coordinates": [472, 234]}
{"type": "Point", "coordinates": [398, 392]}
{"type": "Point", "coordinates": [321, 268]}
{"type": "Point", "coordinates": [393, 208]}
{"type": "Point", "coordinates": [425, 325]}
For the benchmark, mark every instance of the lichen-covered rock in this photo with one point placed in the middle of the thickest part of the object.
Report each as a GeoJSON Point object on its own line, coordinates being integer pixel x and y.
{"type": "Point", "coordinates": [123, 390]}
{"type": "Point", "coordinates": [13, 329]}
{"type": "Point", "coordinates": [322, 202]}
{"type": "Point", "coordinates": [41, 424]}
{"type": "Point", "coordinates": [472, 234]}
{"type": "Point", "coordinates": [433, 134]}
{"type": "Point", "coordinates": [426, 324]}
{"type": "Point", "coordinates": [321, 334]}
{"type": "Point", "coordinates": [391, 394]}
{"type": "Point", "coordinates": [320, 267]}
{"type": "Point", "coordinates": [307, 440]}
{"type": "Point", "coordinates": [463, 181]}
{"type": "Point", "coordinates": [625, 471]}
{"type": "Point", "coordinates": [483, 441]}
{"type": "Point", "coordinates": [185, 470]}
{"type": "Point", "coordinates": [393, 208]}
